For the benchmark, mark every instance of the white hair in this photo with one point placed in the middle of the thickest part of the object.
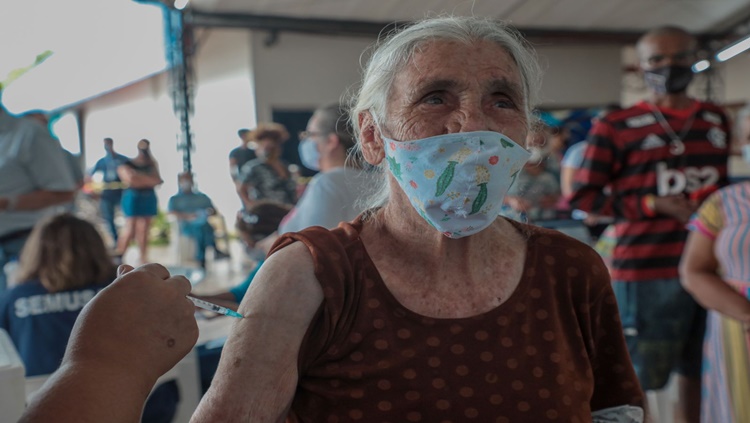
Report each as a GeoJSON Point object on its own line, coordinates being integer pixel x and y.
{"type": "Point", "coordinates": [391, 55]}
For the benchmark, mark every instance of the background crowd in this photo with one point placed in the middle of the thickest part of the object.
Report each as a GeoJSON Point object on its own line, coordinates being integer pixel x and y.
{"type": "Point", "coordinates": [648, 184]}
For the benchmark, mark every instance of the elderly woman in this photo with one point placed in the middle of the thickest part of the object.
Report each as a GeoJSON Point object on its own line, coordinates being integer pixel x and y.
{"type": "Point", "coordinates": [428, 307]}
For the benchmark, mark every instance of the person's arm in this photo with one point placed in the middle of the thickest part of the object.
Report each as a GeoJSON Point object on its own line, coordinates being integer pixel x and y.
{"type": "Point", "coordinates": [518, 204]}
{"type": "Point", "coordinates": [699, 266]}
{"type": "Point", "coordinates": [234, 170]}
{"type": "Point", "coordinates": [257, 375]}
{"type": "Point", "coordinates": [35, 200]}
{"type": "Point", "coordinates": [46, 164]}
{"type": "Point", "coordinates": [98, 167]}
{"type": "Point", "coordinates": [698, 275]}
{"type": "Point", "coordinates": [567, 174]}
{"type": "Point", "coordinates": [570, 163]}
{"type": "Point", "coordinates": [131, 333]}
{"type": "Point", "coordinates": [155, 174]}
{"type": "Point", "coordinates": [135, 179]}
{"type": "Point", "coordinates": [243, 190]}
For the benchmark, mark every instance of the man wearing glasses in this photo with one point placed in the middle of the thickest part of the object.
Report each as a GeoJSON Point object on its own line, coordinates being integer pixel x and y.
{"type": "Point", "coordinates": [331, 196]}
{"type": "Point", "coordinates": [658, 159]}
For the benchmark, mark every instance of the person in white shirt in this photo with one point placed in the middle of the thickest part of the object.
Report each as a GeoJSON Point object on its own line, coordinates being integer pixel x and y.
{"type": "Point", "coordinates": [332, 194]}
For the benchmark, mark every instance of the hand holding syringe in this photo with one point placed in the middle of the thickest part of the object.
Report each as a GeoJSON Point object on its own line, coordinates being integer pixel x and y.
{"type": "Point", "coordinates": [214, 307]}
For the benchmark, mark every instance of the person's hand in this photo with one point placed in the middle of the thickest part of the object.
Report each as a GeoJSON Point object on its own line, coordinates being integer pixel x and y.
{"type": "Point", "coordinates": [548, 201]}
{"type": "Point", "coordinates": [676, 206]}
{"type": "Point", "coordinates": [141, 325]}
{"type": "Point", "coordinates": [518, 204]}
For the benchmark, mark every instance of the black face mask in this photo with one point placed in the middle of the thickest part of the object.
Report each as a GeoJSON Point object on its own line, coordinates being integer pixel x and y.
{"type": "Point", "coordinates": [669, 79]}
{"type": "Point", "coordinates": [145, 152]}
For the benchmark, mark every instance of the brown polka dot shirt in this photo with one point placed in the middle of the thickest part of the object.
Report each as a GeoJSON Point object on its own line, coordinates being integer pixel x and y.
{"type": "Point", "coordinates": [553, 352]}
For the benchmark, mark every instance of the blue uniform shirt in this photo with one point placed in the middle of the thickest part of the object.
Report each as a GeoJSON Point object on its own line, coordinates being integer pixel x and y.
{"type": "Point", "coordinates": [40, 322]}
{"type": "Point", "coordinates": [108, 166]}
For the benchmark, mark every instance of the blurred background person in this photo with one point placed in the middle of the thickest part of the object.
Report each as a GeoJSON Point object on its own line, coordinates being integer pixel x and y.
{"type": "Point", "coordinates": [572, 161]}
{"type": "Point", "coordinates": [63, 266]}
{"type": "Point", "coordinates": [715, 271]}
{"type": "Point", "coordinates": [534, 194]}
{"type": "Point", "coordinates": [267, 177]}
{"type": "Point", "coordinates": [332, 194]}
{"type": "Point", "coordinates": [42, 118]}
{"type": "Point", "coordinates": [139, 205]}
{"type": "Point", "coordinates": [242, 154]}
{"type": "Point", "coordinates": [34, 176]}
{"type": "Point", "coordinates": [252, 225]}
{"type": "Point", "coordinates": [116, 351]}
{"type": "Point", "coordinates": [111, 194]}
{"type": "Point", "coordinates": [192, 209]}
{"type": "Point", "coordinates": [655, 157]}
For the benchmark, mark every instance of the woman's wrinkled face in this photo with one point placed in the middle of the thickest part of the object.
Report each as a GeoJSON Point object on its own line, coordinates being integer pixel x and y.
{"type": "Point", "coordinates": [451, 87]}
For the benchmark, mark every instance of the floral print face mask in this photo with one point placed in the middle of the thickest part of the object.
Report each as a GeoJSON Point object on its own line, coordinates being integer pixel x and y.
{"type": "Point", "coordinates": [456, 182]}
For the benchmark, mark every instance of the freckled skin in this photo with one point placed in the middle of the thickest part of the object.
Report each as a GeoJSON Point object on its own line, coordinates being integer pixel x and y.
{"type": "Point", "coordinates": [477, 89]}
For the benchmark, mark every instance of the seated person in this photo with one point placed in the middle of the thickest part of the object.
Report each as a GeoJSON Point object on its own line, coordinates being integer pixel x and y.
{"type": "Point", "coordinates": [192, 209]}
{"type": "Point", "coordinates": [125, 338]}
{"type": "Point", "coordinates": [62, 266]}
{"type": "Point", "coordinates": [535, 193]}
{"type": "Point", "coordinates": [252, 225]}
{"type": "Point", "coordinates": [331, 196]}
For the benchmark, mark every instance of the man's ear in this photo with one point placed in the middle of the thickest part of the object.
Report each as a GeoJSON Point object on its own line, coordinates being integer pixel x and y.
{"type": "Point", "coordinates": [370, 137]}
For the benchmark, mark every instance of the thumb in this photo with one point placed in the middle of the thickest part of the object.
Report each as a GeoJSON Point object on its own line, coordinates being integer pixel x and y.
{"type": "Point", "coordinates": [123, 269]}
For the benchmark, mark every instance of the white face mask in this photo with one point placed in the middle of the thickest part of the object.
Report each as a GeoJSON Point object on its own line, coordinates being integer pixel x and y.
{"type": "Point", "coordinates": [309, 154]}
{"type": "Point", "coordinates": [456, 182]}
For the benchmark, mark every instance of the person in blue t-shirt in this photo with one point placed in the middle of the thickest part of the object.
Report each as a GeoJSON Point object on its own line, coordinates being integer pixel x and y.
{"type": "Point", "coordinates": [112, 193]}
{"type": "Point", "coordinates": [192, 209]}
{"type": "Point", "coordinates": [63, 265]}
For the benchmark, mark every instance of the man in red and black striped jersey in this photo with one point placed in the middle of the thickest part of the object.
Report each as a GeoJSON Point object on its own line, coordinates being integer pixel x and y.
{"type": "Point", "coordinates": [649, 166]}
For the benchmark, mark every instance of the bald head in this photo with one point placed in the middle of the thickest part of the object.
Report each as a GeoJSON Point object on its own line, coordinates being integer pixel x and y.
{"type": "Point", "coordinates": [667, 42]}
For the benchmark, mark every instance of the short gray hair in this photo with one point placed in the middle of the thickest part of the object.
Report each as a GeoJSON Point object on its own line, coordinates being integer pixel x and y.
{"type": "Point", "coordinates": [393, 53]}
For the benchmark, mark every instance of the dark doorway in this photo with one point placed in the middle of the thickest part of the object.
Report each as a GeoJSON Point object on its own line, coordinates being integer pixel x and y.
{"type": "Point", "coordinates": [294, 121]}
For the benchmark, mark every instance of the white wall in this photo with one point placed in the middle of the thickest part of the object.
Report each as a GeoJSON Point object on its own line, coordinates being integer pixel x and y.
{"type": "Point", "coordinates": [737, 79]}
{"type": "Point", "coordinates": [223, 104]}
{"type": "Point", "coordinates": [580, 75]}
{"type": "Point", "coordinates": [304, 71]}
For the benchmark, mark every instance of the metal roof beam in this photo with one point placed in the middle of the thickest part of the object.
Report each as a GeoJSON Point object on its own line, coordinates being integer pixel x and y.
{"type": "Point", "coordinates": [374, 29]}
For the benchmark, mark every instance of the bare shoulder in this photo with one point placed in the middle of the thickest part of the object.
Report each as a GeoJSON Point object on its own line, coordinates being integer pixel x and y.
{"type": "Point", "coordinates": [285, 283]}
{"type": "Point", "coordinates": [257, 374]}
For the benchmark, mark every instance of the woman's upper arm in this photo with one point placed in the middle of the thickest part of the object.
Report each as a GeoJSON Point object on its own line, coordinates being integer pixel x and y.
{"type": "Point", "coordinates": [125, 173]}
{"type": "Point", "coordinates": [156, 174]}
{"type": "Point", "coordinates": [257, 375]}
{"type": "Point", "coordinates": [697, 257]}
